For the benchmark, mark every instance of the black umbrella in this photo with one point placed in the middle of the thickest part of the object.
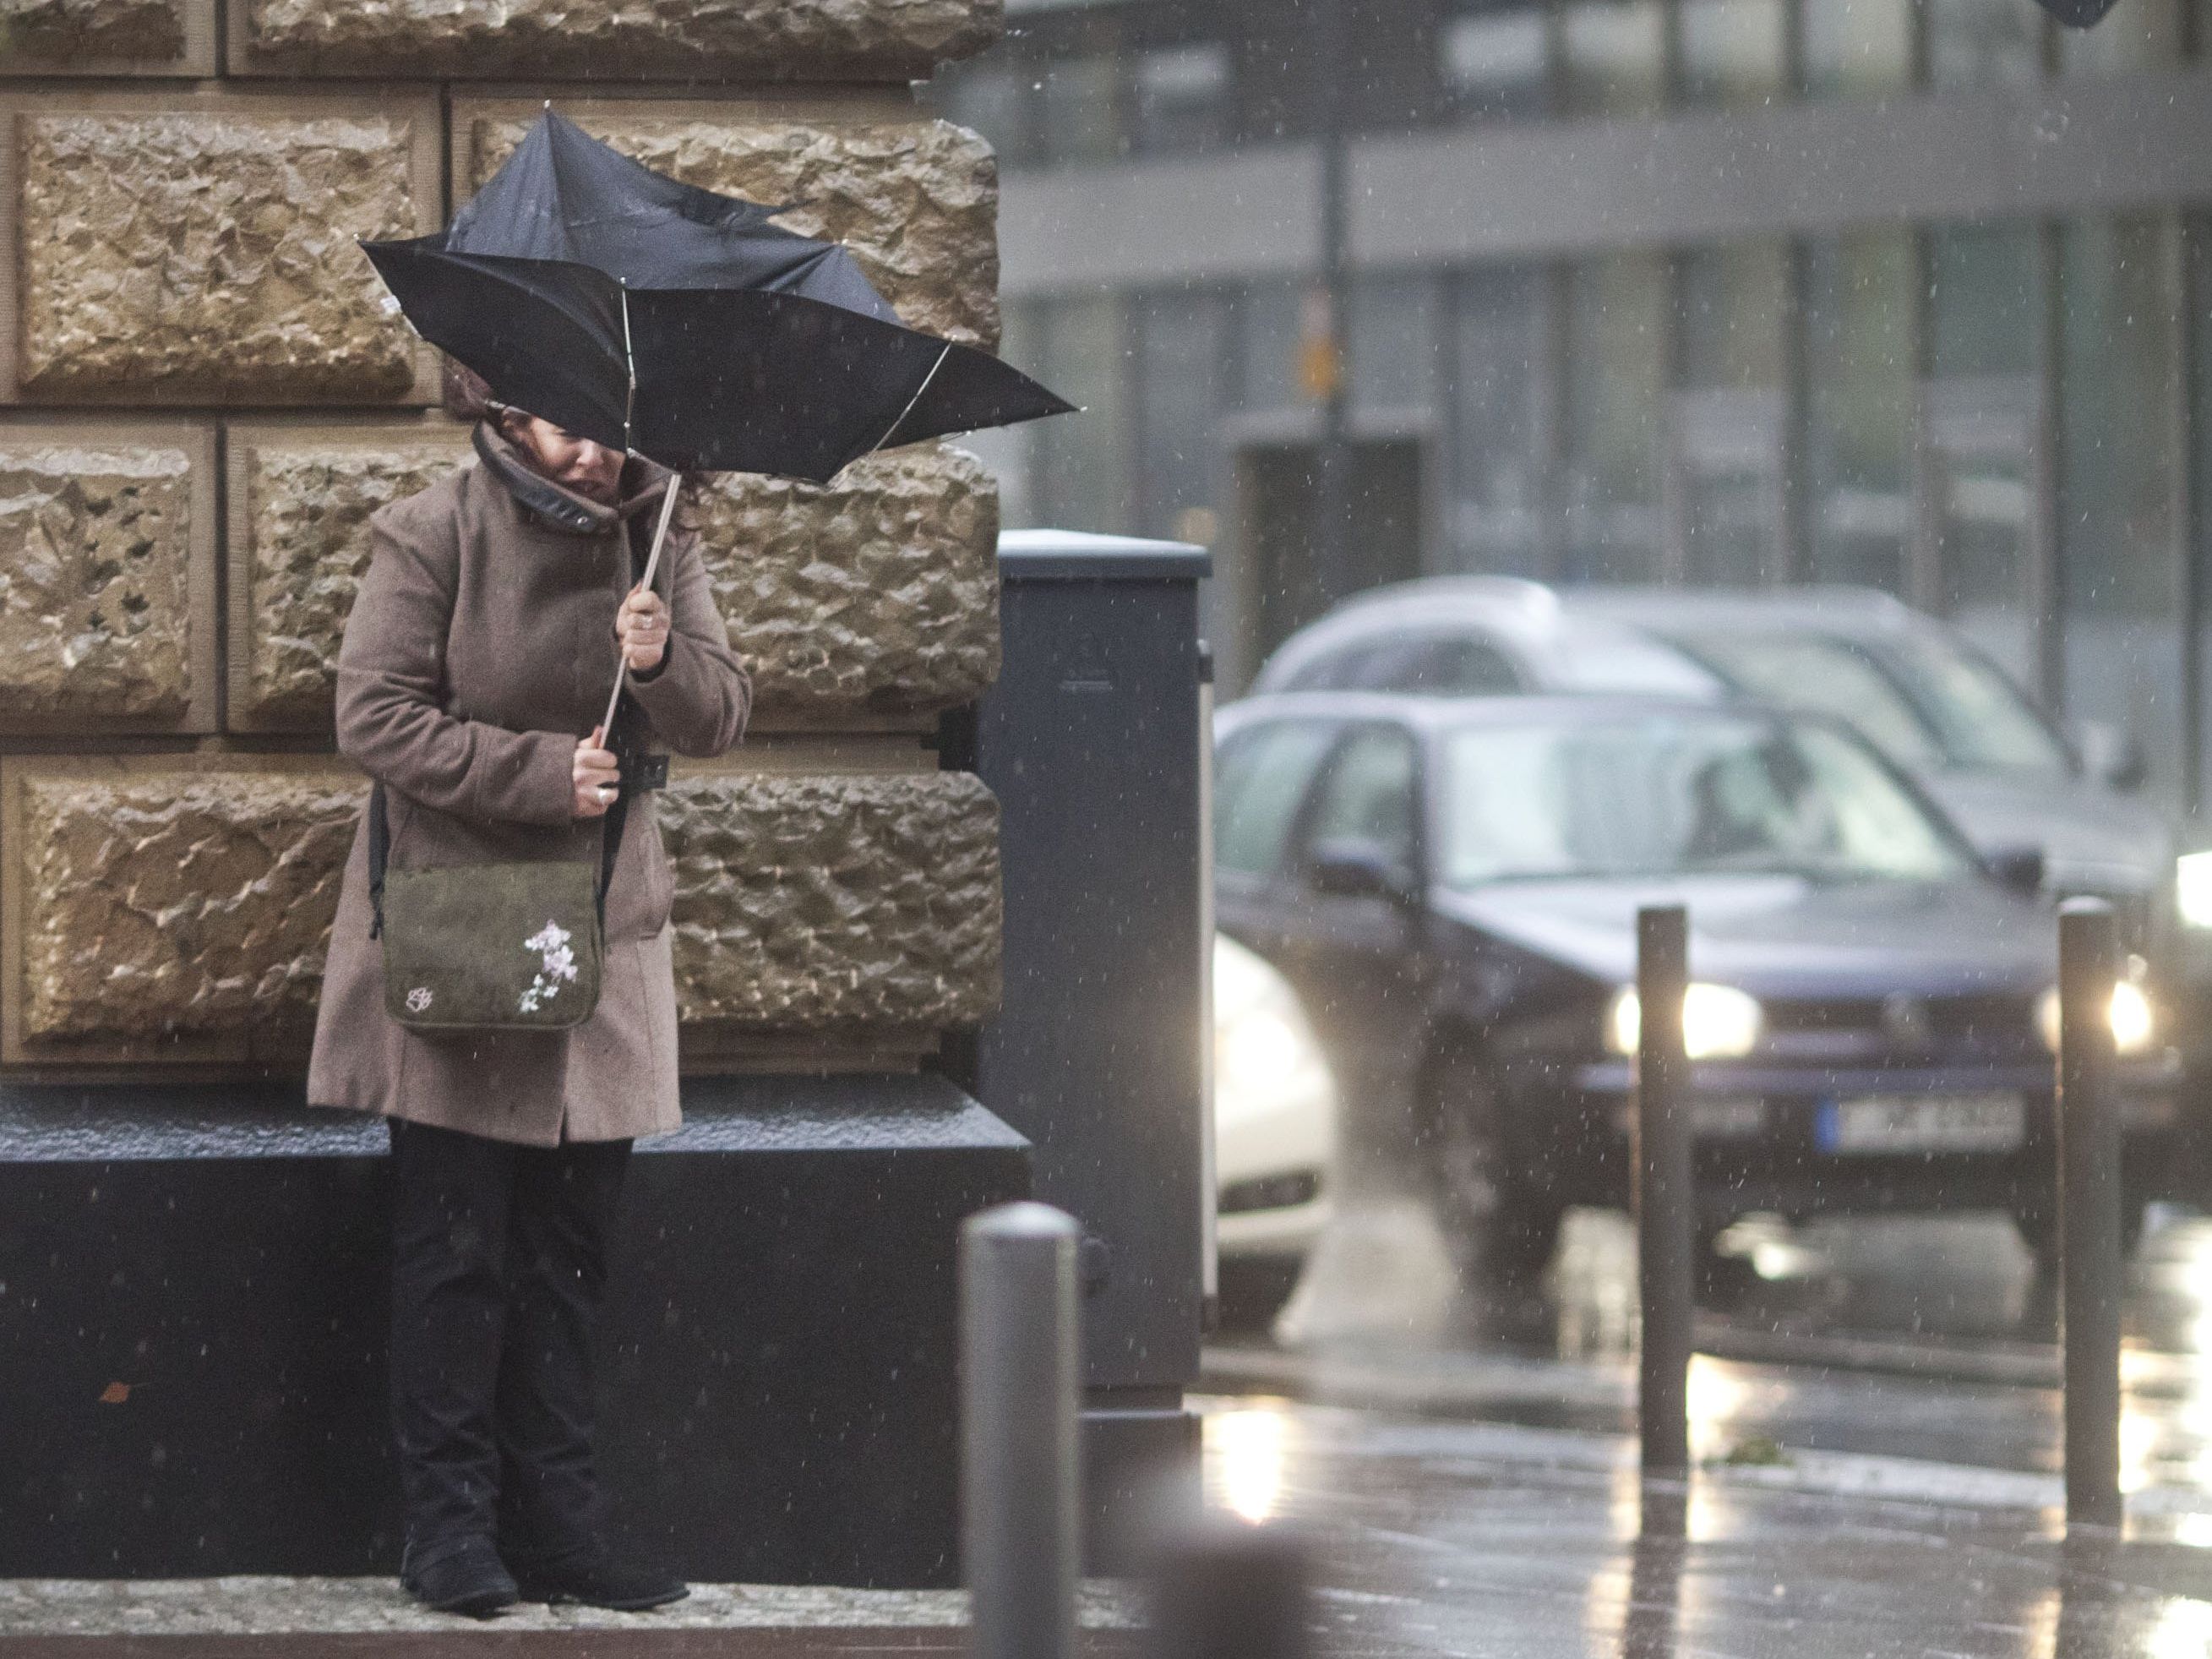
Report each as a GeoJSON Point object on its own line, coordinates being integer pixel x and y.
{"type": "Point", "coordinates": [675, 323]}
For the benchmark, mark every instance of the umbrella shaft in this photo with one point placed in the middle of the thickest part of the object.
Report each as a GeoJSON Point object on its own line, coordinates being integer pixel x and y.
{"type": "Point", "coordinates": [651, 564]}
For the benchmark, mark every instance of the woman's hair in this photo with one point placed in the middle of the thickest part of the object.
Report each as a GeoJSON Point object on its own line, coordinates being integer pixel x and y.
{"type": "Point", "coordinates": [466, 395]}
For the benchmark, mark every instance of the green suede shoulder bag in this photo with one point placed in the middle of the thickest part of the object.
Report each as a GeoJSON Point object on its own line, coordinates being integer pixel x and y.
{"type": "Point", "coordinates": [487, 947]}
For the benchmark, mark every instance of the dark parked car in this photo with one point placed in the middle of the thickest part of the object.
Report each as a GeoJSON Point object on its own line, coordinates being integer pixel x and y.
{"type": "Point", "coordinates": [1451, 884]}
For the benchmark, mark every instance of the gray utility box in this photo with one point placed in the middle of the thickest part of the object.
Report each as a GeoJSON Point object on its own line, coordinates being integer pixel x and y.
{"type": "Point", "coordinates": [1093, 740]}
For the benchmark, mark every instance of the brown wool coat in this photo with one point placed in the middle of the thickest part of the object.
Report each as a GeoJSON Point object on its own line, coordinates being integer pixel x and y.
{"type": "Point", "coordinates": [481, 647]}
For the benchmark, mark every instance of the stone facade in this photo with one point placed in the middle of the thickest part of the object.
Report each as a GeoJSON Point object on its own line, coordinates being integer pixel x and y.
{"type": "Point", "coordinates": [57, 31]}
{"type": "Point", "coordinates": [104, 603]}
{"type": "Point", "coordinates": [299, 506]}
{"type": "Point", "coordinates": [173, 901]}
{"type": "Point", "coordinates": [916, 202]}
{"type": "Point", "coordinates": [877, 592]}
{"type": "Point", "coordinates": [166, 899]}
{"type": "Point", "coordinates": [209, 255]}
{"type": "Point", "coordinates": [811, 902]}
{"type": "Point", "coordinates": [613, 39]}
{"type": "Point", "coordinates": [871, 597]}
{"type": "Point", "coordinates": [171, 823]}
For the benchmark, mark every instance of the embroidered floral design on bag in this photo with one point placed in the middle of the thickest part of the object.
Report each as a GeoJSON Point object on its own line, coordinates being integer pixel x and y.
{"type": "Point", "coordinates": [557, 966]}
{"type": "Point", "coordinates": [418, 1000]}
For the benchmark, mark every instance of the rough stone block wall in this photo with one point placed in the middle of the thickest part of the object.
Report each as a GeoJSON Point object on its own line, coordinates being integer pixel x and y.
{"type": "Point", "coordinates": [301, 499]}
{"type": "Point", "coordinates": [823, 902]}
{"type": "Point", "coordinates": [106, 577]}
{"type": "Point", "coordinates": [178, 555]}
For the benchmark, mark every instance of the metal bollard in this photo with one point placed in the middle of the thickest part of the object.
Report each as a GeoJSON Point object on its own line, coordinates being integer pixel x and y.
{"type": "Point", "coordinates": [2089, 1210]}
{"type": "Point", "coordinates": [1019, 1377]}
{"type": "Point", "coordinates": [1666, 1196]}
{"type": "Point", "coordinates": [1226, 1590]}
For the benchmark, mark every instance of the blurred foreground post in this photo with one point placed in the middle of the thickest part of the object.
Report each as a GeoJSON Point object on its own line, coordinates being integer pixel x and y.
{"type": "Point", "coordinates": [1665, 1198]}
{"type": "Point", "coordinates": [1227, 1590]}
{"type": "Point", "coordinates": [2089, 1210]}
{"type": "Point", "coordinates": [1020, 1550]}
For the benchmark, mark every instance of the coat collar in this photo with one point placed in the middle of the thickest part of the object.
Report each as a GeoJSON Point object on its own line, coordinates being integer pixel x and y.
{"type": "Point", "coordinates": [642, 481]}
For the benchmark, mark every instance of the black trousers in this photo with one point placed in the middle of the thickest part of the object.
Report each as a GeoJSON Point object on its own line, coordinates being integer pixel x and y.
{"type": "Point", "coordinates": [498, 1271]}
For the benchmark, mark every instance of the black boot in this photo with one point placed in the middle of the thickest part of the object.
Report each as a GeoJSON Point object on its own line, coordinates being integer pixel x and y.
{"type": "Point", "coordinates": [594, 1578]}
{"type": "Point", "coordinates": [465, 1577]}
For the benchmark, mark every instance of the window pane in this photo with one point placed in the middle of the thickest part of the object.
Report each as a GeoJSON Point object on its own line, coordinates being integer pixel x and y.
{"type": "Point", "coordinates": [1182, 97]}
{"type": "Point", "coordinates": [1978, 43]}
{"type": "Point", "coordinates": [1980, 432]}
{"type": "Point", "coordinates": [1495, 65]}
{"type": "Point", "coordinates": [1260, 778]}
{"type": "Point", "coordinates": [1268, 351]}
{"type": "Point", "coordinates": [1010, 452]}
{"type": "Point", "coordinates": [1616, 371]}
{"type": "Point", "coordinates": [1981, 284]}
{"type": "Point", "coordinates": [1857, 48]}
{"type": "Point", "coordinates": [1734, 299]}
{"type": "Point", "coordinates": [1731, 52]}
{"type": "Point", "coordinates": [2121, 576]}
{"type": "Point", "coordinates": [1495, 514]}
{"type": "Point", "coordinates": [1858, 362]}
{"type": "Point", "coordinates": [1394, 336]}
{"type": "Point", "coordinates": [993, 96]}
{"type": "Point", "coordinates": [1079, 110]}
{"type": "Point", "coordinates": [1082, 479]}
{"type": "Point", "coordinates": [2140, 35]}
{"type": "Point", "coordinates": [1616, 57]}
{"type": "Point", "coordinates": [1182, 344]}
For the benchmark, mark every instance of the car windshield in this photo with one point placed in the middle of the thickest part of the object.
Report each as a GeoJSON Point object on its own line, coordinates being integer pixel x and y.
{"type": "Point", "coordinates": [1827, 676]}
{"type": "Point", "coordinates": [1986, 723]}
{"type": "Point", "coordinates": [1678, 794]}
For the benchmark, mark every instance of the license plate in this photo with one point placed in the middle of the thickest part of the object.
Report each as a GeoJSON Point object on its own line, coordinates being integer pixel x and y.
{"type": "Point", "coordinates": [1924, 1123]}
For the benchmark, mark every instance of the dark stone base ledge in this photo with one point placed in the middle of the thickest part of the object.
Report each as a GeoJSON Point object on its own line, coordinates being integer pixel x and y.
{"type": "Point", "coordinates": [193, 1308]}
{"type": "Point", "coordinates": [64, 1123]}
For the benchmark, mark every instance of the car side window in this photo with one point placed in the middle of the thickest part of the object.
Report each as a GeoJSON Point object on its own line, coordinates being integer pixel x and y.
{"type": "Point", "coordinates": [1261, 775]}
{"type": "Point", "coordinates": [1348, 667]}
{"type": "Point", "coordinates": [1368, 794]}
{"type": "Point", "coordinates": [1457, 667]}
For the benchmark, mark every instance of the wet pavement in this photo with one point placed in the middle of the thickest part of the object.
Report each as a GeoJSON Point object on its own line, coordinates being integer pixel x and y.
{"type": "Point", "coordinates": [1435, 1538]}
{"type": "Point", "coordinates": [1925, 1337]}
{"type": "Point", "coordinates": [1874, 1412]}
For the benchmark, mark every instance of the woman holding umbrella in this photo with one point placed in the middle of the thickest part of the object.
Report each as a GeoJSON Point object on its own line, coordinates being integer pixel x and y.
{"type": "Point", "coordinates": [493, 618]}
{"type": "Point", "coordinates": [632, 315]}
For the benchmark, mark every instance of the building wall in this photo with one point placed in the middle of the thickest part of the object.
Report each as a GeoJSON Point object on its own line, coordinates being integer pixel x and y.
{"type": "Point", "coordinates": [1899, 292]}
{"type": "Point", "coordinates": [203, 400]}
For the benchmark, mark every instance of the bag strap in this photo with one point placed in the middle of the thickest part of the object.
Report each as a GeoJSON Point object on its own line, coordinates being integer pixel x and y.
{"type": "Point", "coordinates": [615, 819]}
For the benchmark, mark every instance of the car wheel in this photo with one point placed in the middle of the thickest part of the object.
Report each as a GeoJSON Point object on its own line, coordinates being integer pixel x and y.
{"type": "Point", "coordinates": [1502, 1234]}
{"type": "Point", "coordinates": [1252, 1290]}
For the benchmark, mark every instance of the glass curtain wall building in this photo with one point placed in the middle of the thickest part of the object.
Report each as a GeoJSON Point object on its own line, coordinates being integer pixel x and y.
{"type": "Point", "coordinates": [1904, 293]}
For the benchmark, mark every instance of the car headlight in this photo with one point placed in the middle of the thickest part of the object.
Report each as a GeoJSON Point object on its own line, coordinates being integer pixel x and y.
{"type": "Point", "coordinates": [1718, 1022]}
{"type": "Point", "coordinates": [2133, 1025]}
{"type": "Point", "coordinates": [2192, 889]}
{"type": "Point", "coordinates": [1260, 1053]}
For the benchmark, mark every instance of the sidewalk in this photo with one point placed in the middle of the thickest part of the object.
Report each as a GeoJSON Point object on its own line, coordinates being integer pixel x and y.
{"type": "Point", "coordinates": [1429, 1538]}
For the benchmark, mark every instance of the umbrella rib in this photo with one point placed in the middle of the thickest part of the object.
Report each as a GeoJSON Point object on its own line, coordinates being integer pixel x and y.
{"type": "Point", "coordinates": [629, 362]}
{"type": "Point", "coordinates": [912, 401]}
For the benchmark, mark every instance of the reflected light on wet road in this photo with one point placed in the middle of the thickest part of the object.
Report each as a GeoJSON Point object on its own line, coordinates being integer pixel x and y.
{"type": "Point", "coordinates": [2183, 1630]}
{"type": "Point", "coordinates": [1248, 1450]}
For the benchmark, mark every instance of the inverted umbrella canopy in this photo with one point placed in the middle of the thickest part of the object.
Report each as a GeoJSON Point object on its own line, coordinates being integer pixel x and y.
{"type": "Point", "coordinates": [658, 318]}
